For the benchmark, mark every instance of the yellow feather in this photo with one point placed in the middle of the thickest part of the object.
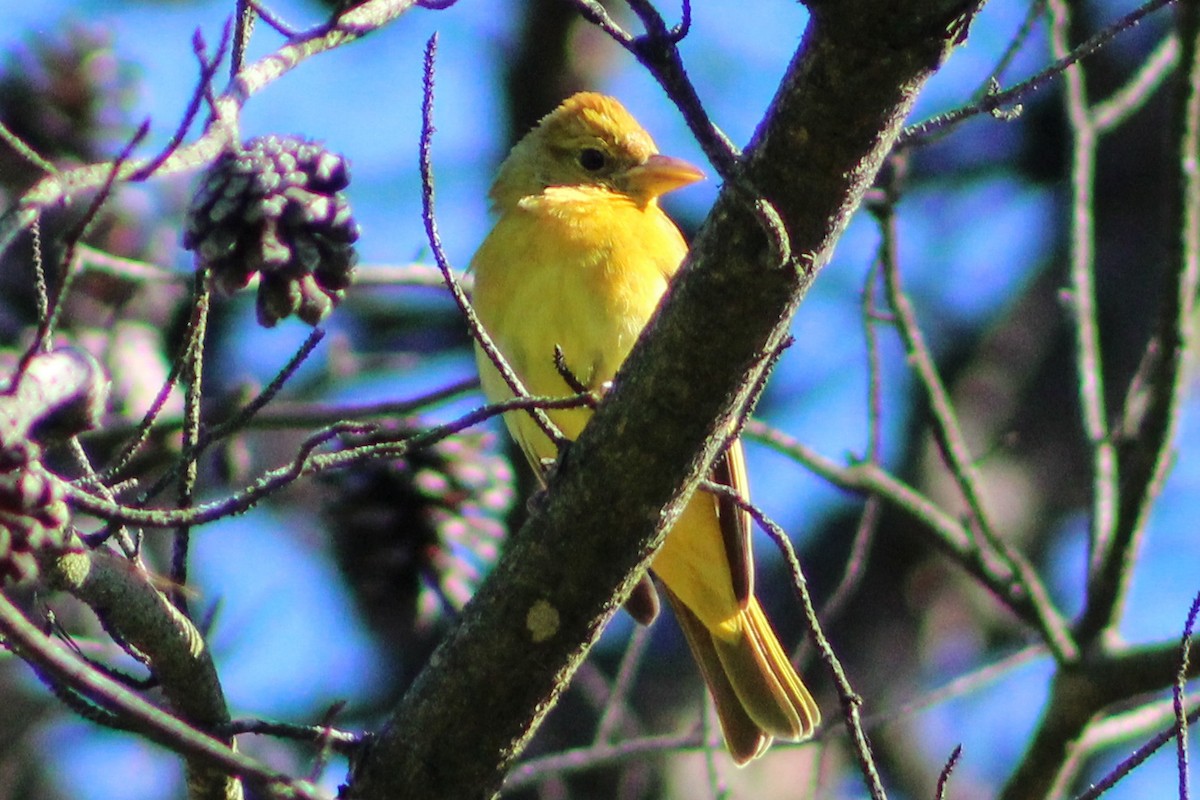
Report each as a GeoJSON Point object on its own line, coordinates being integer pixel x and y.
{"type": "Point", "coordinates": [580, 257]}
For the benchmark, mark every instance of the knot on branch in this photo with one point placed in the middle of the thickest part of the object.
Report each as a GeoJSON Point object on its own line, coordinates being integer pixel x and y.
{"type": "Point", "coordinates": [276, 210]}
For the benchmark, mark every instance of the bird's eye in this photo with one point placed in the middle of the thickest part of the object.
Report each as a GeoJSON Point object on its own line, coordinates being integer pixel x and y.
{"type": "Point", "coordinates": [592, 159]}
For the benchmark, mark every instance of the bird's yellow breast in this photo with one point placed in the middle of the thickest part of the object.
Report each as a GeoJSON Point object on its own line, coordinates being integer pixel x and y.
{"type": "Point", "coordinates": [574, 267]}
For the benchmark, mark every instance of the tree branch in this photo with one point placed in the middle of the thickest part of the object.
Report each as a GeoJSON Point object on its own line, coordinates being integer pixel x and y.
{"type": "Point", "coordinates": [1151, 414]}
{"type": "Point", "coordinates": [613, 495]}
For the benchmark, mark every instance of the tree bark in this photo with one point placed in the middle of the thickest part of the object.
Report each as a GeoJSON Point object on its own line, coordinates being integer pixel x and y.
{"type": "Point", "coordinates": [837, 112]}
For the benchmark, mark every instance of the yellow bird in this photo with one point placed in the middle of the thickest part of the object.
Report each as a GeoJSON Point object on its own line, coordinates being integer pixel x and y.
{"type": "Point", "coordinates": [579, 258]}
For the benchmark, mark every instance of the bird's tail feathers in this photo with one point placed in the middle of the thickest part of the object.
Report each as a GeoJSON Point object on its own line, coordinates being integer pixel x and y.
{"type": "Point", "coordinates": [756, 690]}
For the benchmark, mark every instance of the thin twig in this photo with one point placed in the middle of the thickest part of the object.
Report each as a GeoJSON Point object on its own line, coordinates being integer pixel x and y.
{"type": "Point", "coordinates": [1088, 363]}
{"type": "Point", "coordinates": [244, 14]}
{"type": "Point", "coordinates": [478, 333]}
{"type": "Point", "coordinates": [1032, 15]}
{"type": "Point", "coordinates": [1178, 696]}
{"type": "Point", "coordinates": [961, 686]}
{"type": "Point", "coordinates": [414, 275]}
{"type": "Point", "coordinates": [922, 131]}
{"type": "Point", "coordinates": [273, 20]}
{"type": "Point", "coordinates": [946, 428]}
{"type": "Point", "coordinates": [851, 702]}
{"type": "Point", "coordinates": [283, 414]}
{"type": "Point", "coordinates": [24, 151]}
{"type": "Point", "coordinates": [208, 70]}
{"type": "Point", "coordinates": [142, 433]}
{"type": "Point", "coordinates": [342, 742]}
{"type": "Point", "coordinates": [616, 707]}
{"type": "Point", "coordinates": [944, 777]}
{"type": "Point", "coordinates": [41, 284]}
{"type": "Point", "coordinates": [1146, 459]}
{"type": "Point", "coordinates": [1124, 102]}
{"type": "Point", "coordinates": [188, 470]}
{"type": "Point", "coordinates": [47, 324]}
{"type": "Point", "coordinates": [596, 756]}
{"type": "Point", "coordinates": [305, 463]}
{"type": "Point", "coordinates": [868, 521]}
{"type": "Point", "coordinates": [1135, 759]}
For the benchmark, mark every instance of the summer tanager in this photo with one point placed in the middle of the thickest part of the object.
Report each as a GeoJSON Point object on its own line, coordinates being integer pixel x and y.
{"type": "Point", "coordinates": [579, 258]}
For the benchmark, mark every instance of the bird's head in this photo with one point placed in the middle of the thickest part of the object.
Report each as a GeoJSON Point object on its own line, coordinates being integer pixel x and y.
{"type": "Point", "coordinates": [589, 141]}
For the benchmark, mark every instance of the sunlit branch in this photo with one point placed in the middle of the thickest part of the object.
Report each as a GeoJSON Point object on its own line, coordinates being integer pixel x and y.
{"type": "Point", "coordinates": [1127, 100]}
{"type": "Point", "coordinates": [1089, 365]}
{"type": "Point", "coordinates": [1025, 598]}
{"type": "Point", "coordinates": [152, 722]}
{"type": "Point", "coordinates": [1023, 581]}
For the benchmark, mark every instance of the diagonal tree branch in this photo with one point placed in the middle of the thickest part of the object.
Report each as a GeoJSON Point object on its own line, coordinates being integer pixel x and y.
{"type": "Point", "coordinates": [835, 117]}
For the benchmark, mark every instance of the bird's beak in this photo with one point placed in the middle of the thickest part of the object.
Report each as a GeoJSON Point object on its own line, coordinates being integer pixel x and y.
{"type": "Point", "coordinates": [660, 174]}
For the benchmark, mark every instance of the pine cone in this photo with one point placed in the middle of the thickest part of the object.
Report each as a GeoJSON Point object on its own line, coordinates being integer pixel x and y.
{"type": "Point", "coordinates": [33, 518]}
{"type": "Point", "coordinates": [415, 535]}
{"type": "Point", "coordinates": [276, 209]}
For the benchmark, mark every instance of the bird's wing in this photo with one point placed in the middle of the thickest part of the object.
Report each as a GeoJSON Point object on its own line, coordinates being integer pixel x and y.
{"type": "Point", "coordinates": [730, 470]}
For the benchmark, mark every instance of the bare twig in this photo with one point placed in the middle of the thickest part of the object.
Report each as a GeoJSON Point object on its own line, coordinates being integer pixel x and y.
{"type": "Point", "coordinates": [1178, 698]}
{"type": "Point", "coordinates": [1124, 102]}
{"type": "Point", "coordinates": [961, 686]}
{"type": "Point", "coordinates": [276, 22]}
{"type": "Point", "coordinates": [304, 464]}
{"type": "Point", "coordinates": [1090, 369]}
{"type": "Point", "coordinates": [49, 322]}
{"type": "Point", "coordinates": [1146, 459]}
{"type": "Point", "coordinates": [296, 414]}
{"type": "Point", "coordinates": [478, 333]}
{"type": "Point", "coordinates": [851, 702]}
{"type": "Point", "coordinates": [139, 437]}
{"type": "Point", "coordinates": [615, 708]}
{"type": "Point", "coordinates": [1032, 14]}
{"type": "Point", "coordinates": [1135, 759]}
{"type": "Point", "coordinates": [596, 756]}
{"type": "Point", "coordinates": [995, 101]}
{"type": "Point", "coordinates": [25, 151]}
{"type": "Point", "coordinates": [995, 550]}
{"type": "Point", "coordinates": [208, 70]}
{"type": "Point", "coordinates": [868, 521]}
{"type": "Point", "coordinates": [944, 777]}
{"type": "Point", "coordinates": [946, 428]}
{"type": "Point", "coordinates": [188, 470]}
{"type": "Point", "coordinates": [342, 742]}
